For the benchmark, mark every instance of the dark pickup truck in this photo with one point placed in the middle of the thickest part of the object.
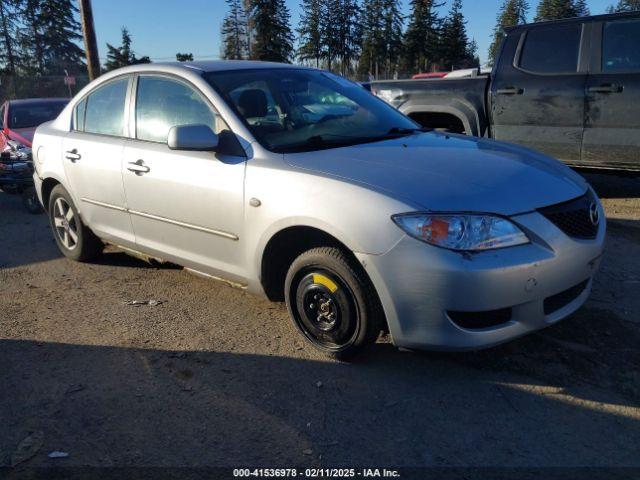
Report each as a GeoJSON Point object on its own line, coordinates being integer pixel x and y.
{"type": "Point", "coordinates": [569, 88]}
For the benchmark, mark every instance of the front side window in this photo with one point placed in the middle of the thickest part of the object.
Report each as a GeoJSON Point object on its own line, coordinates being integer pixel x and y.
{"type": "Point", "coordinates": [162, 103]}
{"type": "Point", "coordinates": [289, 110]}
{"type": "Point", "coordinates": [621, 46]}
{"type": "Point", "coordinates": [105, 109]}
{"type": "Point", "coordinates": [553, 49]}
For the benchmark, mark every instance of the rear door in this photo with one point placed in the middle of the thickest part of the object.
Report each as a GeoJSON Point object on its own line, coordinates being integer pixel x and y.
{"type": "Point", "coordinates": [537, 96]}
{"type": "Point", "coordinates": [612, 130]}
{"type": "Point", "coordinates": [92, 157]}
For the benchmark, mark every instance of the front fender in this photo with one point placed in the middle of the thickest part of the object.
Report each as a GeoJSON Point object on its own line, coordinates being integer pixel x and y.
{"type": "Point", "coordinates": [358, 217]}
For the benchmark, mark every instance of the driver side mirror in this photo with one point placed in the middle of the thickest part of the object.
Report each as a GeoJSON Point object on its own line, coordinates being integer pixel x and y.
{"type": "Point", "coordinates": [192, 137]}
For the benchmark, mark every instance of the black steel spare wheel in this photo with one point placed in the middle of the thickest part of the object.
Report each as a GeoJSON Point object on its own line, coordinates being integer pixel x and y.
{"type": "Point", "coordinates": [328, 314]}
{"type": "Point", "coordinates": [332, 302]}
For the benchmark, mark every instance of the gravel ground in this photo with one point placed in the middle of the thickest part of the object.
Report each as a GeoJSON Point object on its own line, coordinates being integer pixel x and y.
{"type": "Point", "coordinates": [215, 377]}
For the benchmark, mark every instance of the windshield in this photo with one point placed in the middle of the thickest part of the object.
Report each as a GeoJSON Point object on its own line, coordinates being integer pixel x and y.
{"type": "Point", "coordinates": [33, 114]}
{"type": "Point", "coordinates": [291, 110]}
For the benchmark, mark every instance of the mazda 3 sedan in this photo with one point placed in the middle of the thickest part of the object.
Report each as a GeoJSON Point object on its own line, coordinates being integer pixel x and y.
{"type": "Point", "coordinates": [299, 185]}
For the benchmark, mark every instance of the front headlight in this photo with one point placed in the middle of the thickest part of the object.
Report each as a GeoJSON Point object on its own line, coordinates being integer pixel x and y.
{"type": "Point", "coordinates": [461, 232]}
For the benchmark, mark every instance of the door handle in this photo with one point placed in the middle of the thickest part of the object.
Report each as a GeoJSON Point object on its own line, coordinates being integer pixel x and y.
{"type": "Point", "coordinates": [510, 91]}
{"type": "Point", "coordinates": [73, 155]}
{"type": "Point", "coordinates": [138, 167]}
{"type": "Point", "coordinates": [606, 88]}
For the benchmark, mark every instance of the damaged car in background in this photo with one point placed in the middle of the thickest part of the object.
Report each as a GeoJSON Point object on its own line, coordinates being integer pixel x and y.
{"type": "Point", "coordinates": [299, 185]}
{"type": "Point", "coordinates": [18, 122]}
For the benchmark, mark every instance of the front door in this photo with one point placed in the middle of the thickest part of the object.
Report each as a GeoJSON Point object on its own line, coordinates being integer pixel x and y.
{"type": "Point", "coordinates": [185, 206]}
{"type": "Point", "coordinates": [538, 93]}
{"type": "Point", "coordinates": [612, 133]}
{"type": "Point", "coordinates": [92, 157]}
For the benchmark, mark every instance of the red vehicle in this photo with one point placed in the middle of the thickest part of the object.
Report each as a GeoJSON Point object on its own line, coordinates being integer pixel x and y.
{"type": "Point", "coordinates": [20, 118]}
{"type": "Point", "coordinates": [18, 122]}
{"type": "Point", "coordinates": [422, 76]}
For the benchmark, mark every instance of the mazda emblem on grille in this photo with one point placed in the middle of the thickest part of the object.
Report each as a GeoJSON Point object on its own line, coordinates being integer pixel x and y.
{"type": "Point", "coordinates": [594, 214]}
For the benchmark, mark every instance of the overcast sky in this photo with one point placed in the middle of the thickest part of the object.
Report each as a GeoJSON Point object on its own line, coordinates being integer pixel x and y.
{"type": "Point", "coordinates": [160, 28]}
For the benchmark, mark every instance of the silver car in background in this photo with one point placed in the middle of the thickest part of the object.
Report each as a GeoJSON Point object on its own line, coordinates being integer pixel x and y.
{"type": "Point", "coordinates": [299, 185]}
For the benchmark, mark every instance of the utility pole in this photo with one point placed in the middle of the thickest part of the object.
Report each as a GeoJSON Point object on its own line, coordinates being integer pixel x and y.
{"type": "Point", "coordinates": [90, 43]}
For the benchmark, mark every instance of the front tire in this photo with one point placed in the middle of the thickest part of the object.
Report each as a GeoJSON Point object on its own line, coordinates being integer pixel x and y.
{"type": "Point", "coordinates": [73, 238]}
{"type": "Point", "coordinates": [332, 302]}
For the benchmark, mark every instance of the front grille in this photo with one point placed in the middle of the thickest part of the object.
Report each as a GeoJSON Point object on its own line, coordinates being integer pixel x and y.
{"type": "Point", "coordinates": [477, 320]}
{"type": "Point", "coordinates": [562, 299]}
{"type": "Point", "coordinates": [574, 217]}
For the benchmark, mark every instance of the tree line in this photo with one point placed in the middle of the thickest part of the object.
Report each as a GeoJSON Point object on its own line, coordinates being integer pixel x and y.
{"type": "Point", "coordinates": [353, 37]}
{"type": "Point", "coordinates": [40, 37]}
{"type": "Point", "coordinates": [373, 37]}
{"type": "Point", "coordinates": [363, 38]}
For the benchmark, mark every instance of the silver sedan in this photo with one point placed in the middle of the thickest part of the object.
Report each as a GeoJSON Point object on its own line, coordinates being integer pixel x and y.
{"type": "Point", "coordinates": [297, 184]}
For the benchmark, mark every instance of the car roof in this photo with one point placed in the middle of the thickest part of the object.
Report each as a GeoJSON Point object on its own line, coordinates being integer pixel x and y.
{"type": "Point", "coordinates": [33, 101]}
{"type": "Point", "coordinates": [228, 65]}
{"type": "Point", "coordinates": [592, 18]}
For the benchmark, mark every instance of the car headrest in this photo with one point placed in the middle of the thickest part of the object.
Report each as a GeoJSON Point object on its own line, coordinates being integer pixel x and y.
{"type": "Point", "coordinates": [253, 103]}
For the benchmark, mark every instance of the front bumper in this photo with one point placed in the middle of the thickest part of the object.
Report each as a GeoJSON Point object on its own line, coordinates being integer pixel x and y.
{"type": "Point", "coordinates": [418, 284]}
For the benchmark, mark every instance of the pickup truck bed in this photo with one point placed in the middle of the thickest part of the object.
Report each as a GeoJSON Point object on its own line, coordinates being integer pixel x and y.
{"type": "Point", "coordinates": [457, 105]}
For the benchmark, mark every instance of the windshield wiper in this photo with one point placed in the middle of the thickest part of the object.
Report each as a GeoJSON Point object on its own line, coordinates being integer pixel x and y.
{"type": "Point", "coordinates": [406, 131]}
{"type": "Point", "coordinates": [329, 140]}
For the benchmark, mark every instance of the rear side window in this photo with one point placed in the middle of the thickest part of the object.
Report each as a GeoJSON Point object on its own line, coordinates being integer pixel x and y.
{"type": "Point", "coordinates": [162, 103]}
{"type": "Point", "coordinates": [621, 46]}
{"type": "Point", "coordinates": [105, 109]}
{"type": "Point", "coordinates": [78, 115]}
{"type": "Point", "coordinates": [553, 49]}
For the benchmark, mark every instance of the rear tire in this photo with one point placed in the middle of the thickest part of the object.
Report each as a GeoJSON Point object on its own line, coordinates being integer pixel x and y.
{"type": "Point", "coordinates": [74, 239]}
{"type": "Point", "coordinates": [332, 302]}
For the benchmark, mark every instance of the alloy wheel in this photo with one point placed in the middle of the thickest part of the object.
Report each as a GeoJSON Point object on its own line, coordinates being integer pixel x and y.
{"type": "Point", "coordinates": [66, 226]}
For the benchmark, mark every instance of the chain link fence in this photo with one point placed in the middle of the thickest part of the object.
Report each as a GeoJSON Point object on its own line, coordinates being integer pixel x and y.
{"type": "Point", "coordinates": [24, 86]}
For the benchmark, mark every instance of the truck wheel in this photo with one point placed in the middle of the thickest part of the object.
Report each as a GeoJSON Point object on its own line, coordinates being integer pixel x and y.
{"type": "Point", "coordinates": [74, 239]}
{"type": "Point", "coordinates": [30, 201]}
{"type": "Point", "coordinates": [332, 302]}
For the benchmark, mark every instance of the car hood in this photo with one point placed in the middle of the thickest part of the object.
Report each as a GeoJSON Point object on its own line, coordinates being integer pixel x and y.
{"type": "Point", "coordinates": [440, 172]}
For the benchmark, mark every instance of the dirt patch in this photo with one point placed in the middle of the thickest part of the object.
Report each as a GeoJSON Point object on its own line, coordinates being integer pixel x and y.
{"type": "Point", "coordinates": [209, 376]}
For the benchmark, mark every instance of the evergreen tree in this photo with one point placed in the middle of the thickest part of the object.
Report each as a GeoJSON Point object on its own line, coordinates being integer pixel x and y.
{"type": "Point", "coordinates": [8, 33]}
{"type": "Point", "coordinates": [381, 37]}
{"type": "Point", "coordinates": [420, 46]}
{"type": "Point", "coordinates": [329, 31]}
{"type": "Point", "coordinates": [184, 57]}
{"type": "Point", "coordinates": [454, 44]}
{"type": "Point", "coordinates": [557, 9]}
{"type": "Point", "coordinates": [272, 38]}
{"type": "Point", "coordinates": [581, 9]}
{"type": "Point", "coordinates": [392, 35]}
{"type": "Point", "coordinates": [234, 32]}
{"type": "Point", "coordinates": [472, 53]}
{"type": "Point", "coordinates": [31, 38]}
{"type": "Point", "coordinates": [310, 38]}
{"type": "Point", "coordinates": [123, 55]}
{"type": "Point", "coordinates": [60, 34]}
{"type": "Point", "coordinates": [625, 6]}
{"type": "Point", "coordinates": [513, 12]}
{"type": "Point", "coordinates": [349, 34]}
{"type": "Point", "coordinates": [340, 33]}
